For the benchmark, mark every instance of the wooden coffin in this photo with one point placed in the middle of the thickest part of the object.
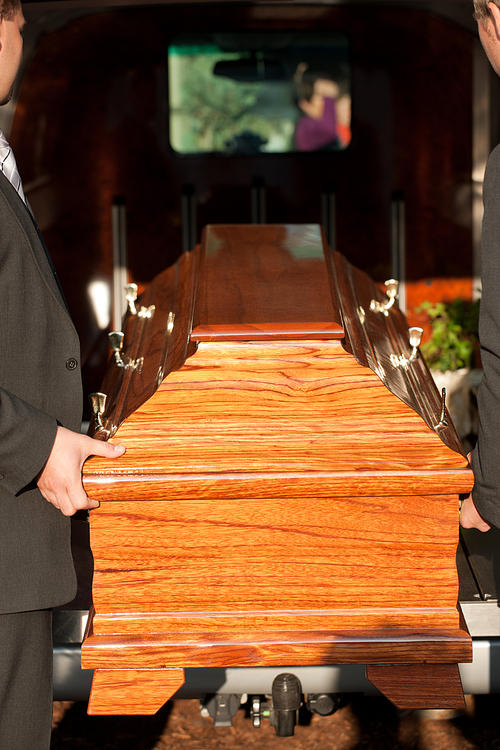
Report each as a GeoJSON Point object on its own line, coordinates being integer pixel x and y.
{"type": "Point", "coordinates": [289, 495]}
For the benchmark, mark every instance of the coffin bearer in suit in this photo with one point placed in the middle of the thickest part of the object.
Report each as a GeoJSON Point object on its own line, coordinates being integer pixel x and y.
{"type": "Point", "coordinates": [481, 509]}
{"type": "Point", "coordinates": [41, 449]}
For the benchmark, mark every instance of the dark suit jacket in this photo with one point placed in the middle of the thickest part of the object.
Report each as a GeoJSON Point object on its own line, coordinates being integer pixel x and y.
{"type": "Point", "coordinates": [40, 384]}
{"type": "Point", "coordinates": [486, 460]}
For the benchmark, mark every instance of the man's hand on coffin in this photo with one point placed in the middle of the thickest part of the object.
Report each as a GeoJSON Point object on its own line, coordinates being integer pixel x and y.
{"type": "Point", "coordinates": [61, 479]}
{"type": "Point", "coordinates": [470, 517]}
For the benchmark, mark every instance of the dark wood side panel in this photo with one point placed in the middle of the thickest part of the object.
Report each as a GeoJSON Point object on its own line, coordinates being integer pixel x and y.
{"type": "Point", "coordinates": [156, 342]}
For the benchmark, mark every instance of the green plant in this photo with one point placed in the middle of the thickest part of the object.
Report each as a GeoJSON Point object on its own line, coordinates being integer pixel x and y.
{"type": "Point", "coordinates": [454, 333]}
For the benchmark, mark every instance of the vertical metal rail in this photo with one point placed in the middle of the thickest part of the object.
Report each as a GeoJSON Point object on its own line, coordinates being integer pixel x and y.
{"type": "Point", "coordinates": [398, 245]}
{"type": "Point", "coordinates": [188, 214]}
{"type": "Point", "coordinates": [329, 216]}
{"type": "Point", "coordinates": [258, 200]}
{"type": "Point", "coordinates": [120, 271]}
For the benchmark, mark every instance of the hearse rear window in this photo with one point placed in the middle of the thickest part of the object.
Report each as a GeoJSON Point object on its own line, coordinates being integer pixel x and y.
{"type": "Point", "coordinates": [247, 94]}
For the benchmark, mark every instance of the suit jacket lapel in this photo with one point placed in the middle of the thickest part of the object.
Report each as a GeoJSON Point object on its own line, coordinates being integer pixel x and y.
{"type": "Point", "coordinates": [49, 259]}
{"type": "Point", "coordinates": [36, 242]}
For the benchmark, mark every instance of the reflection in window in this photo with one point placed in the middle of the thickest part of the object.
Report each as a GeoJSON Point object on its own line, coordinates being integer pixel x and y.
{"type": "Point", "coordinates": [259, 93]}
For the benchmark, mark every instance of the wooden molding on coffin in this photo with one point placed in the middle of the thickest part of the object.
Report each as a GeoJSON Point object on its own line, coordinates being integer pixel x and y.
{"type": "Point", "coordinates": [130, 691]}
{"type": "Point", "coordinates": [275, 649]}
{"type": "Point", "coordinates": [131, 675]}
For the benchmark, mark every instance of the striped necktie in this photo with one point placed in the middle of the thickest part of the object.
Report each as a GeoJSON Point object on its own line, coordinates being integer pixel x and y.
{"type": "Point", "coordinates": [9, 167]}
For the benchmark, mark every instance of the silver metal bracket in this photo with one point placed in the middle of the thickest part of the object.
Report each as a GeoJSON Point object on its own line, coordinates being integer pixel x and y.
{"type": "Point", "coordinates": [391, 289]}
{"type": "Point", "coordinates": [131, 296]}
{"type": "Point", "coordinates": [98, 403]}
{"type": "Point", "coordinates": [415, 339]}
{"type": "Point", "coordinates": [443, 422]}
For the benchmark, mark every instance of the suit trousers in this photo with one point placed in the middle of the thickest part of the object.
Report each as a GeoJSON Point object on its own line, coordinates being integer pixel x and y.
{"type": "Point", "coordinates": [26, 680]}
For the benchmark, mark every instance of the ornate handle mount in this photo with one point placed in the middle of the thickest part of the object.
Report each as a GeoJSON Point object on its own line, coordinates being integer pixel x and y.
{"type": "Point", "coordinates": [391, 289]}
{"type": "Point", "coordinates": [98, 403]}
{"type": "Point", "coordinates": [415, 338]}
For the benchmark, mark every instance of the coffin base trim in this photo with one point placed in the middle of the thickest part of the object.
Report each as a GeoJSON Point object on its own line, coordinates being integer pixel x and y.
{"type": "Point", "coordinates": [419, 686]}
{"type": "Point", "coordinates": [133, 691]}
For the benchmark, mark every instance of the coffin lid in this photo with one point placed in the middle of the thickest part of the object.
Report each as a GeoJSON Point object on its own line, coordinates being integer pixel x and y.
{"type": "Point", "coordinates": [265, 282]}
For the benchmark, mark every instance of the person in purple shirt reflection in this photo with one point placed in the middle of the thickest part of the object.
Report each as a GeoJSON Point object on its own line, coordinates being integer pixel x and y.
{"type": "Point", "coordinates": [317, 128]}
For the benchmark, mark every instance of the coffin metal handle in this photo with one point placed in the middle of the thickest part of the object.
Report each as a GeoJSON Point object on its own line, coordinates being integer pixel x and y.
{"type": "Point", "coordinates": [98, 403]}
{"type": "Point", "coordinates": [442, 417]}
{"type": "Point", "coordinates": [443, 422]}
{"type": "Point", "coordinates": [131, 296]}
{"type": "Point", "coordinates": [415, 339]}
{"type": "Point", "coordinates": [116, 341]}
{"type": "Point", "coordinates": [391, 289]}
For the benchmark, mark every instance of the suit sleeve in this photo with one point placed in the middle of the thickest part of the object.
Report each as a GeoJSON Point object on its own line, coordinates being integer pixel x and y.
{"type": "Point", "coordinates": [26, 439]}
{"type": "Point", "coordinates": [37, 340]}
{"type": "Point", "coordinates": [486, 458]}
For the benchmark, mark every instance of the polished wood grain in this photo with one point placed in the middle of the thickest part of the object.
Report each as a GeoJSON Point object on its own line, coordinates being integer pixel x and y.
{"type": "Point", "coordinates": [283, 500]}
{"type": "Point", "coordinates": [241, 408]}
{"type": "Point", "coordinates": [277, 649]}
{"type": "Point", "coordinates": [264, 274]}
{"type": "Point", "coordinates": [153, 345]}
{"type": "Point", "coordinates": [312, 484]}
{"type": "Point", "coordinates": [133, 691]}
{"type": "Point", "coordinates": [242, 284]}
{"type": "Point", "coordinates": [282, 621]}
{"type": "Point", "coordinates": [419, 686]}
{"type": "Point", "coordinates": [198, 556]}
